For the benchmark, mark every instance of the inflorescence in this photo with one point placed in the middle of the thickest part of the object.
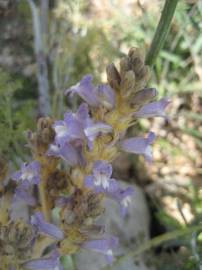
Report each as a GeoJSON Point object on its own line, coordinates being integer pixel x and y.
{"type": "Point", "coordinates": [50, 207]}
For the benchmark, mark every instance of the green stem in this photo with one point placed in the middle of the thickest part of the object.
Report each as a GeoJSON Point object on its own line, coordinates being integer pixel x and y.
{"type": "Point", "coordinates": [161, 31]}
{"type": "Point", "coordinates": [154, 243]}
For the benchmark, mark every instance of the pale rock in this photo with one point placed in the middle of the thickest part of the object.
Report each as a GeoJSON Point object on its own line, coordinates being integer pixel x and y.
{"type": "Point", "coordinates": [131, 230]}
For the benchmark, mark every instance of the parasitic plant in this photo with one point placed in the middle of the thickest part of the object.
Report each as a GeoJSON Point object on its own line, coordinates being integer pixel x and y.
{"type": "Point", "coordinates": [50, 207]}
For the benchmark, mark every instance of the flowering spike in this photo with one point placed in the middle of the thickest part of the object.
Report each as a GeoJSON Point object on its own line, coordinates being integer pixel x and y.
{"type": "Point", "coordinates": [88, 140]}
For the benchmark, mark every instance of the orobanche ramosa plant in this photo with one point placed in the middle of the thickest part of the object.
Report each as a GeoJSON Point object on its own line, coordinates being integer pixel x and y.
{"type": "Point", "coordinates": [49, 208]}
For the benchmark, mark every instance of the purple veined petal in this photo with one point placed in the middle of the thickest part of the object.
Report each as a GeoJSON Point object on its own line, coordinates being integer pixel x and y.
{"type": "Point", "coordinates": [93, 130]}
{"type": "Point", "coordinates": [138, 145]}
{"type": "Point", "coordinates": [64, 132]}
{"type": "Point", "coordinates": [102, 172]}
{"type": "Point", "coordinates": [61, 131]}
{"type": "Point", "coordinates": [105, 95]}
{"type": "Point", "coordinates": [49, 263]}
{"type": "Point", "coordinates": [100, 180]}
{"type": "Point", "coordinates": [29, 172]}
{"type": "Point", "coordinates": [85, 90]}
{"type": "Point", "coordinates": [67, 152]}
{"type": "Point", "coordinates": [24, 193]}
{"type": "Point", "coordinates": [111, 187]}
{"type": "Point", "coordinates": [103, 246]}
{"type": "Point", "coordinates": [82, 113]}
{"type": "Point", "coordinates": [72, 128]}
{"type": "Point", "coordinates": [45, 227]}
{"type": "Point", "coordinates": [156, 108]}
{"type": "Point", "coordinates": [75, 126]}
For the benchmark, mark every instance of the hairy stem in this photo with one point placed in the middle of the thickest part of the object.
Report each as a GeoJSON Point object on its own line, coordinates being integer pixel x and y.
{"type": "Point", "coordinates": [161, 31]}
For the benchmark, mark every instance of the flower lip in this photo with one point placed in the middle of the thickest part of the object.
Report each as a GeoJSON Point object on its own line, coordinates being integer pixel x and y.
{"type": "Point", "coordinates": [68, 152]}
{"type": "Point", "coordinates": [153, 109]}
{"type": "Point", "coordinates": [102, 95]}
{"type": "Point", "coordinates": [85, 90]}
{"type": "Point", "coordinates": [100, 179]}
{"type": "Point", "coordinates": [29, 173]}
{"type": "Point", "coordinates": [138, 145]}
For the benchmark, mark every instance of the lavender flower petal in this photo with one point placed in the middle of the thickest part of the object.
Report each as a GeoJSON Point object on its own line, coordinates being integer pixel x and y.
{"type": "Point", "coordinates": [45, 227]}
{"type": "Point", "coordinates": [101, 95]}
{"type": "Point", "coordinates": [156, 108]}
{"type": "Point", "coordinates": [85, 90]}
{"type": "Point", "coordinates": [29, 172]}
{"type": "Point", "coordinates": [100, 180]}
{"type": "Point", "coordinates": [67, 152]}
{"type": "Point", "coordinates": [50, 263]}
{"type": "Point", "coordinates": [139, 145]}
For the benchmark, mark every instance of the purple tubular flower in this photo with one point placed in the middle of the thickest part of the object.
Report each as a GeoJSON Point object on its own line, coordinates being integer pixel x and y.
{"type": "Point", "coordinates": [139, 145]}
{"type": "Point", "coordinates": [104, 246]}
{"type": "Point", "coordinates": [156, 108]}
{"type": "Point", "coordinates": [72, 127]}
{"type": "Point", "coordinates": [100, 180]}
{"type": "Point", "coordinates": [29, 172]}
{"type": "Point", "coordinates": [85, 90]}
{"type": "Point", "coordinates": [44, 227]}
{"type": "Point", "coordinates": [101, 95]}
{"type": "Point", "coordinates": [50, 263]}
{"type": "Point", "coordinates": [79, 127]}
{"type": "Point", "coordinates": [72, 155]}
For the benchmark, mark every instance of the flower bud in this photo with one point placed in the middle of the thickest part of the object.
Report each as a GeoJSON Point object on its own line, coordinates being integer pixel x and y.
{"type": "Point", "coordinates": [144, 96]}
{"type": "Point", "coordinates": [113, 76]}
{"type": "Point", "coordinates": [128, 84]}
{"type": "Point", "coordinates": [124, 66]}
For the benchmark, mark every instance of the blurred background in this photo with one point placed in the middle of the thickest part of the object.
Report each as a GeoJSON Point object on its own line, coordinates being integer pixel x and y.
{"type": "Point", "coordinates": [82, 37]}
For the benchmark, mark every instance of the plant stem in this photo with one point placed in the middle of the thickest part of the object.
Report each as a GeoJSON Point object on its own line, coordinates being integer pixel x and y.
{"type": "Point", "coordinates": [161, 31]}
{"type": "Point", "coordinates": [44, 200]}
{"type": "Point", "coordinates": [39, 21]}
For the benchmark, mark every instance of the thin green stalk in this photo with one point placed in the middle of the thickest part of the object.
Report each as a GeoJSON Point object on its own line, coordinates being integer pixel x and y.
{"type": "Point", "coordinates": [161, 31]}
{"type": "Point", "coordinates": [154, 243]}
